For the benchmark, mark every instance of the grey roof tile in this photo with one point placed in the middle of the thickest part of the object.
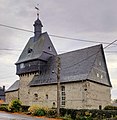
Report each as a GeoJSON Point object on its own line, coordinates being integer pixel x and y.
{"type": "Point", "coordinates": [39, 49]}
{"type": "Point", "coordinates": [2, 92]}
{"type": "Point", "coordinates": [75, 66]}
{"type": "Point", "coordinates": [13, 87]}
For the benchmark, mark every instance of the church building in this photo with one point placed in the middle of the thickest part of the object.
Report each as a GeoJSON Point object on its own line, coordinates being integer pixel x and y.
{"type": "Point", "coordinates": [83, 75]}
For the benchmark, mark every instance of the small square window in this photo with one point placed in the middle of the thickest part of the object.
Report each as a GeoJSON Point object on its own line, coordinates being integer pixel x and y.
{"type": "Point", "coordinates": [102, 76]}
{"type": "Point", "coordinates": [63, 93]}
{"type": "Point", "coordinates": [22, 65]}
{"type": "Point", "coordinates": [98, 75]}
{"type": "Point", "coordinates": [30, 51]}
{"type": "Point", "coordinates": [100, 63]}
{"type": "Point", "coordinates": [50, 48]}
{"type": "Point", "coordinates": [62, 88]}
{"type": "Point", "coordinates": [63, 103]}
{"type": "Point", "coordinates": [63, 98]}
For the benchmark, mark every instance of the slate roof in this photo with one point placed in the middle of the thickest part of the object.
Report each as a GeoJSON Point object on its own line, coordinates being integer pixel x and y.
{"type": "Point", "coordinates": [39, 49]}
{"type": "Point", "coordinates": [14, 87]}
{"type": "Point", "coordinates": [75, 66]}
{"type": "Point", "coordinates": [2, 92]}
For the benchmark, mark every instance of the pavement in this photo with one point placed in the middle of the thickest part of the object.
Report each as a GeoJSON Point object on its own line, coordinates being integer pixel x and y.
{"type": "Point", "coordinates": [9, 116]}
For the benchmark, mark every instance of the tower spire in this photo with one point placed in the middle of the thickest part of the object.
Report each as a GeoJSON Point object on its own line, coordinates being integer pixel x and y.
{"type": "Point", "coordinates": [37, 25]}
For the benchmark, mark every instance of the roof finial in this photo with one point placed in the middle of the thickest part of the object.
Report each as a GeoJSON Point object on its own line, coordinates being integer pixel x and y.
{"type": "Point", "coordinates": [37, 8]}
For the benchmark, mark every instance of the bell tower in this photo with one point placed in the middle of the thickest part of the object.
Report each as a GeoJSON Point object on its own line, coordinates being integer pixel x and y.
{"type": "Point", "coordinates": [33, 59]}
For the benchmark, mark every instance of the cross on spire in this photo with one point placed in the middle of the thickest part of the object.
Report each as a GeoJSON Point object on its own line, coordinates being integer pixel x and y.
{"type": "Point", "coordinates": [37, 8]}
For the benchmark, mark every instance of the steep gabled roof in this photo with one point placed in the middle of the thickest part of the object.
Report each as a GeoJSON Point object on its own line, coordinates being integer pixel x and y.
{"type": "Point", "coordinates": [99, 72]}
{"type": "Point", "coordinates": [76, 66]}
{"type": "Point", "coordinates": [40, 49]}
{"type": "Point", "coordinates": [13, 87]}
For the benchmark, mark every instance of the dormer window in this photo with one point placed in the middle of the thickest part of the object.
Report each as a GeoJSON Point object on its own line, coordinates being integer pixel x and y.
{"type": "Point", "coordinates": [50, 48]}
{"type": "Point", "coordinates": [30, 51]}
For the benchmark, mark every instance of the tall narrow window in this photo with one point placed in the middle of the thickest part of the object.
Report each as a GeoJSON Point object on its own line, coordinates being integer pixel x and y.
{"type": "Point", "coordinates": [63, 97]}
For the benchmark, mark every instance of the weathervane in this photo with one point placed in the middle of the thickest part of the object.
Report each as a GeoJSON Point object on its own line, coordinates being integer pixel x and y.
{"type": "Point", "coordinates": [37, 8]}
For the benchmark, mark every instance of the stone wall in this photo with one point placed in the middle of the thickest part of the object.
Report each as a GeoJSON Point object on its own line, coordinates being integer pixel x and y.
{"type": "Point", "coordinates": [11, 96]}
{"type": "Point", "coordinates": [46, 95]}
{"type": "Point", "coordinates": [97, 95]}
{"type": "Point", "coordinates": [80, 95]}
{"type": "Point", "coordinates": [24, 88]}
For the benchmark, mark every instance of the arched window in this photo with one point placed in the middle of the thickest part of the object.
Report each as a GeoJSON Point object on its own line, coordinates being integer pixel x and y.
{"type": "Point", "coordinates": [35, 96]}
{"type": "Point", "coordinates": [54, 105]}
{"type": "Point", "coordinates": [46, 96]}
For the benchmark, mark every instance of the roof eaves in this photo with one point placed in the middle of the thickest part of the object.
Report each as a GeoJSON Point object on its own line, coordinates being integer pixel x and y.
{"type": "Point", "coordinates": [11, 90]}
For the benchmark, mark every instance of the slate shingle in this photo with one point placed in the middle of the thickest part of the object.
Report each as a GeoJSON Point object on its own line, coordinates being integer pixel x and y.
{"type": "Point", "coordinates": [75, 66]}
{"type": "Point", "coordinates": [13, 87]}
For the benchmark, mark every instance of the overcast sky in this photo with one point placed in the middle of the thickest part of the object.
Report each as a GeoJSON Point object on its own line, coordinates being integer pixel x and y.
{"type": "Point", "coordinates": [94, 20]}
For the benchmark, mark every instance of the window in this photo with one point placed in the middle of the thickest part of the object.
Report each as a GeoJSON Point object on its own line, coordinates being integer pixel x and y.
{"type": "Point", "coordinates": [62, 88]}
{"type": "Point", "coordinates": [63, 93]}
{"type": "Point", "coordinates": [46, 96]}
{"type": "Point", "coordinates": [100, 63]}
{"type": "Point", "coordinates": [54, 104]}
{"type": "Point", "coordinates": [50, 48]}
{"type": "Point", "coordinates": [98, 75]}
{"type": "Point", "coordinates": [63, 96]}
{"type": "Point", "coordinates": [102, 76]}
{"type": "Point", "coordinates": [100, 107]}
{"type": "Point", "coordinates": [63, 103]}
{"type": "Point", "coordinates": [29, 65]}
{"type": "Point", "coordinates": [22, 65]}
{"type": "Point", "coordinates": [36, 96]}
{"type": "Point", "coordinates": [30, 50]}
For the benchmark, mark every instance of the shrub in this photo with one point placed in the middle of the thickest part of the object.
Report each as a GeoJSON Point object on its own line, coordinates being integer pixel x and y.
{"type": "Point", "coordinates": [51, 113]}
{"type": "Point", "coordinates": [36, 110]}
{"type": "Point", "coordinates": [109, 107]}
{"type": "Point", "coordinates": [40, 112]}
{"type": "Point", "coordinates": [67, 117]}
{"type": "Point", "coordinates": [3, 108]}
{"type": "Point", "coordinates": [32, 109]}
{"type": "Point", "coordinates": [15, 106]}
{"type": "Point", "coordinates": [25, 108]}
{"type": "Point", "coordinates": [84, 114]}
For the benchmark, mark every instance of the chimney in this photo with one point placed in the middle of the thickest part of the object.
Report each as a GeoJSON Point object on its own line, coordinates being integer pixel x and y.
{"type": "Point", "coordinates": [3, 88]}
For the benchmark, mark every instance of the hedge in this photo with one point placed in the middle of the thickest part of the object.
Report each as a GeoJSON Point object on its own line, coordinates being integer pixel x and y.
{"type": "Point", "coordinates": [100, 114]}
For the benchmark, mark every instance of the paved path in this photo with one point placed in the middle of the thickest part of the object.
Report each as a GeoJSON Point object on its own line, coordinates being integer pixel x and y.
{"type": "Point", "coordinates": [8, 116]}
